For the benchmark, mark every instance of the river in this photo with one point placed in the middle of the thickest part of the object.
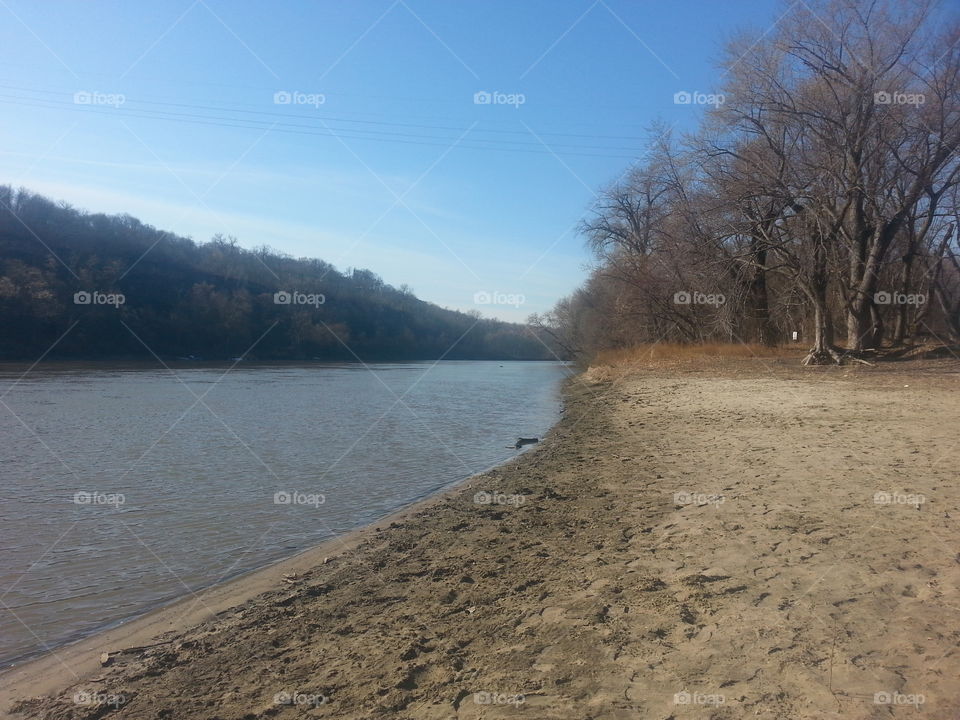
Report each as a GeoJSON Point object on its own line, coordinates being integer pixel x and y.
{"type": "Point", "coordinates": [126, 487]}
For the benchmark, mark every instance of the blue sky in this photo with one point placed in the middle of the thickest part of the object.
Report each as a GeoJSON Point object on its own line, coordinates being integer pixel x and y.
{"type": "Point", "coordinates": [383, 158]}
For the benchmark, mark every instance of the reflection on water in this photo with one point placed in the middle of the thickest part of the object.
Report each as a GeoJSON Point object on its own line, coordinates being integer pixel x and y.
{"type": "Point", "coordinates": [124, 488]}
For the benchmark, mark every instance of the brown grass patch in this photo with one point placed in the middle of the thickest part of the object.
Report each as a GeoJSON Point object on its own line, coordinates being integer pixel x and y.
{"type": "Point", "coordinates": [675, 352]}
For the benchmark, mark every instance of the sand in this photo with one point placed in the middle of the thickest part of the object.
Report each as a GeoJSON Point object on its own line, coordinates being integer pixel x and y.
{"type": "Point", "coordinates": [753, 540]}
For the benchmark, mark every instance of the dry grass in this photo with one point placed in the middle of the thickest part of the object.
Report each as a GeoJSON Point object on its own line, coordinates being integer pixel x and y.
{"type": "Point", "coordinates": [596, 374]}
{"type": "Point", "coordinates": [674, 352]}
{"type": "Point", "coordinates": [611, 365]}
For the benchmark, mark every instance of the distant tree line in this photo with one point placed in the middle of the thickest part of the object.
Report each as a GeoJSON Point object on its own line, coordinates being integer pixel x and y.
{"type": "Point", "coordinates": [819, 195]}
{"type": "Point", "coordinates": [75, 285]}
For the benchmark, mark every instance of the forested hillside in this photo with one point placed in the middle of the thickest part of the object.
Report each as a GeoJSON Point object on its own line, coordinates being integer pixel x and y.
{"type": "Point", "coordinates": [90, 286]}
{"type": "Point", "coordinates": [818, 196]}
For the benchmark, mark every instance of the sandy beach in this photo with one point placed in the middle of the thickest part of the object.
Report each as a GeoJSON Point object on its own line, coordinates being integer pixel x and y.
{"type": "Point", "coordinates": [750, 539]}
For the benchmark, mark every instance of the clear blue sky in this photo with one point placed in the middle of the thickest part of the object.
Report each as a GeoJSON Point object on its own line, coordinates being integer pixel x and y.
{"type": "Point", "coordinates": [399, 170]}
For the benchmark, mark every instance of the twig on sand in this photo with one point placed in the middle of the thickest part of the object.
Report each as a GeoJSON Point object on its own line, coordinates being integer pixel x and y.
{"type": "Point", "coordinates": [137, 648]}
{"type": "Point", "coordinates": [833, 692]}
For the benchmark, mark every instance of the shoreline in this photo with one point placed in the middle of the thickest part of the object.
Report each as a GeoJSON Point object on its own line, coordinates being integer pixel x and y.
{"type": "Point", "coordinates": [135, 364]}
{"type": "Point", "coordinates": [46, 674]}
{"type": "Point", "coordinates": [334, 545]}
{"type": "Point", "coordinates": [685, 541]}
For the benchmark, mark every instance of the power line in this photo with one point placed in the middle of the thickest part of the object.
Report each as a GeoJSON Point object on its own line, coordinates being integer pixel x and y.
{"type": "Point", "coordinates": [329, 118]}
{"type": "Point", "coordinates": [348, 133]}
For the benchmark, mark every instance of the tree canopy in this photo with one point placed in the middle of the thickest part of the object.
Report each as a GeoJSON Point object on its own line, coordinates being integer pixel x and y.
{"type": "Point", "coordinates": [75, 285]}
{"type": "Point", "coordinates": [819, 195]}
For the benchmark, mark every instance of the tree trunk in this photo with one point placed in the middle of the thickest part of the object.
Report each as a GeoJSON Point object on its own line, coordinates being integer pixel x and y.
{"type": "Point", "coordinates": [857, 324]}
{"type": "Point", "coordinates": [875, 333]}
{"type": "Point", "coordinates": [864, 332]}
{"type": "Point", "coordinates": [760, 299]}
{"type": "Point", "coordinates": [900, 317]}
{"type": "Point", "coordinates": [823, 351]}
{"type": "Point", "coordinates": [857, 307]}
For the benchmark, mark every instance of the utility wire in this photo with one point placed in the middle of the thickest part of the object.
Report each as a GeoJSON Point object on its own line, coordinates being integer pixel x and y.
{"type": "Point", "coordinates": [348, 133]}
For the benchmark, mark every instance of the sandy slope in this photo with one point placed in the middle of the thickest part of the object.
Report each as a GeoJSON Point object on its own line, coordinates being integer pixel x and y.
{"type": "Point", "coordinates": [690, 543]}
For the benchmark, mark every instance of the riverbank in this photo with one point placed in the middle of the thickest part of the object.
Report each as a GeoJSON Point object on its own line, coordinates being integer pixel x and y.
{"type": "Point", "coordinates": [751, 540]}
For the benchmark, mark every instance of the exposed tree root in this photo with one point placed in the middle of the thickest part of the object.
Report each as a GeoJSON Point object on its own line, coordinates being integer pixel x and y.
{"type": "Point", "coordinates": [829, 355]}
{"type": "Point", "coordinates": [826, 355]}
